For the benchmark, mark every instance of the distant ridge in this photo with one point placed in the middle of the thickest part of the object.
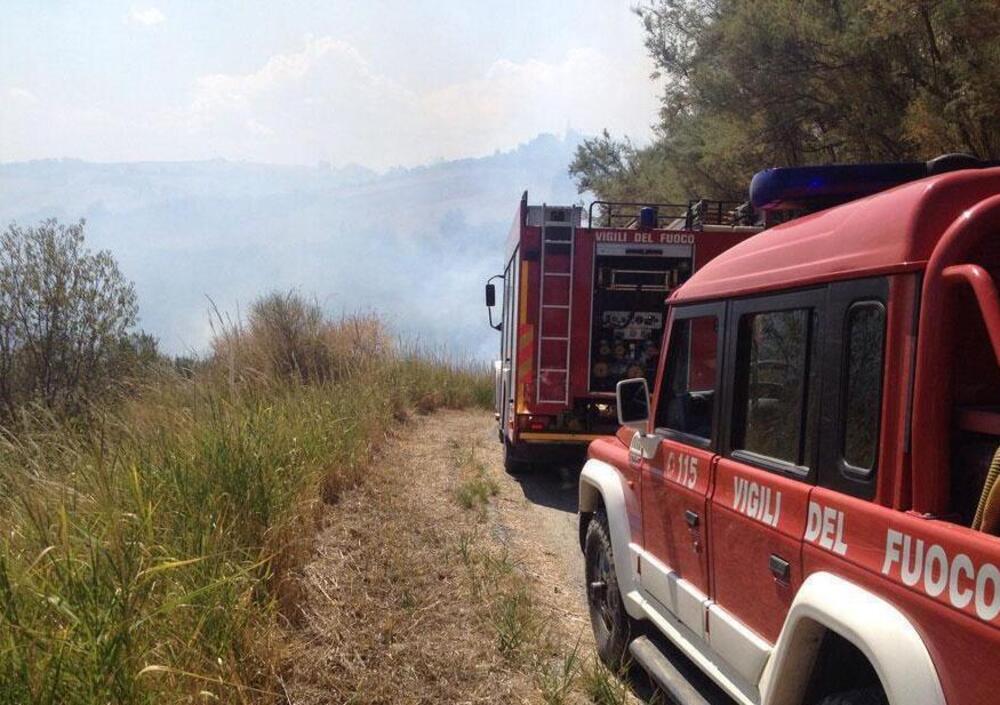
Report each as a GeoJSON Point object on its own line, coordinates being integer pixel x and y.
{"type": "Point", "coordinates": [414, 243]}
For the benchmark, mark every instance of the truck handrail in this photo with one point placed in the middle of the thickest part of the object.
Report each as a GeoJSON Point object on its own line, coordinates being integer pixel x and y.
{"type": "Point", "coordinates": [665, 212]}
{"type": "Point", "coordinates": [696, 214]}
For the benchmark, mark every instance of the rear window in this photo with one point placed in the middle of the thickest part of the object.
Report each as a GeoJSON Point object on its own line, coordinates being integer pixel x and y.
{"type": "Point", "coordinates": [864, 337]}
{"type": "Point", "coordinates": [771, 384]}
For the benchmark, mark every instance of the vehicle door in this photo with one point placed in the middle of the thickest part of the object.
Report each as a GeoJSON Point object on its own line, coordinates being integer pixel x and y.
{"type": "Point", "coordinates": [758, 509]}
{"type": "Point", "coordinates": [676, 480]}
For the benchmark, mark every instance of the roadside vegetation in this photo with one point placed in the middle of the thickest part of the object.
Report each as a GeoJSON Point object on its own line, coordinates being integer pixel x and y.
{"type": "Point", "coordinates": [68, 334]}
{"type": "Point", "coordinates": [750, 84]}
{"type": "Point", "coordinates": [152, 535]}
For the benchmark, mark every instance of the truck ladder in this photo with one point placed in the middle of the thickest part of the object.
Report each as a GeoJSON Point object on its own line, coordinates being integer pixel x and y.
{"type": "Point", "coordinates": [555, 316]}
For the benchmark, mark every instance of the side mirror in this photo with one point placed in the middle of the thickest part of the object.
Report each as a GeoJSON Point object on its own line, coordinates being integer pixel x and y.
{"type": "Point", "coordinates": [632, 396]}
{"type": "Point", "coordinates": [491, 301]}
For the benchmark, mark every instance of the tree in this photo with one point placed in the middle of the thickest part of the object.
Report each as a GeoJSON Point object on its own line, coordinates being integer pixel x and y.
{"type": "Point", "coordinates": [618, 171]}
{"type": "Point", "coordinates": [749, 84]}
{"type": "Point", "coordinates": [66, 319]}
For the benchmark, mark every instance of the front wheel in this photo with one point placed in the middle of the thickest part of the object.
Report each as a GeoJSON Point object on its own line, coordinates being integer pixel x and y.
{"type": "Point", "coordinates": [610, 622]}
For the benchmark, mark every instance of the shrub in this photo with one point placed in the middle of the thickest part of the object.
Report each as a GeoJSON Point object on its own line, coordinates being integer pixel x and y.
{"type": "Point", "coordinates": [66, 320]}
{"type": "Point", "coordinates": [288, 338]}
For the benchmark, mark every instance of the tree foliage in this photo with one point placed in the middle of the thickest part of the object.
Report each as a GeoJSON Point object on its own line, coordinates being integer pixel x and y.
{"type": "Point", "coordinates": [749, 84]}
{"type": "Point", "coordinates": [66, 319]}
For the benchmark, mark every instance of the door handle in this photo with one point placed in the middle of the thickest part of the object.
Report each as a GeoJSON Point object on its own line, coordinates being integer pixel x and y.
{"type": "Point", "coordinates": [691, 518]}
{"type": "Point", "coordinates": [779, 567]}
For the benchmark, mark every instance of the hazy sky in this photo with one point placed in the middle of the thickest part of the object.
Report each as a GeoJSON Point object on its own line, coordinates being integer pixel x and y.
{"type": "Point", "coordinates": [375, 83]}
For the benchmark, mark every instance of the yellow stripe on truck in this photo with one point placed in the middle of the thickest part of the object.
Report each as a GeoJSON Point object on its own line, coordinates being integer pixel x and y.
{"type": "Point", "coordinates": [532, 437]}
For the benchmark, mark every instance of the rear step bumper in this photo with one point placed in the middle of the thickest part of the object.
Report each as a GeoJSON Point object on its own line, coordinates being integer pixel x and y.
{"type": "Point", "coordinates": [648, 655]}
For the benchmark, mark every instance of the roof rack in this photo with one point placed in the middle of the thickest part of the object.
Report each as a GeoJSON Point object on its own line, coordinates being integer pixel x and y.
{"type": "Point", "coordinates": [625, 214]}
{"type": "Point", "coordinates": [695, 215]}
{"type": "Point", "coordinates": [726, 213]}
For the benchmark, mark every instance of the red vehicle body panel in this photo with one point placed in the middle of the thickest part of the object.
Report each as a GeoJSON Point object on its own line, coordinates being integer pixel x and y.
{"type": "Point", "coordinates": [670, 490]}
{"type": "Point", "coordinates": [742, 545]}
{"type": "Point", "coordinates": [959, 642]}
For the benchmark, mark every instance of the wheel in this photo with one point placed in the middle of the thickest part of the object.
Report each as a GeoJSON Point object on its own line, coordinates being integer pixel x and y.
{"type": "Point", "coordinates": [512, 464]}
{"type": "Point", "coordinates": [860, 696]}
{"type": "Point", "coordinates": [611, 624]}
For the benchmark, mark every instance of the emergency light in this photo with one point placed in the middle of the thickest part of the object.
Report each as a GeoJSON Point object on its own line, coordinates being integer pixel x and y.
{"type": "Point", "coordinates": [647, 217]}
{"type": "Point", "coordinates": [814, 187]}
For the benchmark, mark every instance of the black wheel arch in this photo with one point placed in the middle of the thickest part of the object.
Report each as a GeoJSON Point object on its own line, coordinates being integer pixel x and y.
{"type": "Point", "coordinates": [841, 673]}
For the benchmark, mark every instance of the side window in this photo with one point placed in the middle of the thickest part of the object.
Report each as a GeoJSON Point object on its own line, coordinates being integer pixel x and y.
{"type": "Point", "coordinates": [687, 398]}
{"type": "Point", "coordinates": [864, 333]}
{"type": "Point", "coordinates": [772, 364]}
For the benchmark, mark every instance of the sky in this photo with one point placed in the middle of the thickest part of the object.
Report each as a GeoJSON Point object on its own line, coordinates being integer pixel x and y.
{"type": "Point", "coordinates": [380, 84]}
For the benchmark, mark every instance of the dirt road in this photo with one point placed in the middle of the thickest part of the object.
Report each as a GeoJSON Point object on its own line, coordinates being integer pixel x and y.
{"type": "Point", "coordinates": [536, 517]}
{"type": "Point", "coordinates": [442, 579]}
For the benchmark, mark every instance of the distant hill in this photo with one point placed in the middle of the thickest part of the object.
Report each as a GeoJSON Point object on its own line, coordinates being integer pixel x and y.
{"type": "Point", "coordinates": [414, 244]}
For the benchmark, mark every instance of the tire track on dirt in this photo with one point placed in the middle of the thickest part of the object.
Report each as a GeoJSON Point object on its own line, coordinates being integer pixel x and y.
{"type": "Point", "coordinates": [535, 515]}
{"type": "Point", "coordinates": [395, 611]}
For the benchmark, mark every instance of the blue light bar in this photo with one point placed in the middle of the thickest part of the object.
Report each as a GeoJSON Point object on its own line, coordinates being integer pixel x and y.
{"type": "Point", "coordinates": [812, 187]}
{"type": "Point", "coordinates": [815, 187]}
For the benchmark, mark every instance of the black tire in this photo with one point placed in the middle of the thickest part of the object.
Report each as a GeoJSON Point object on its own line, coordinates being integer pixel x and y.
{"type": "Point", "coordinates": [512, 464]}
{"type": "Point", "coordinates": [611, 624]}
{"type": "Point", "coordinates": [860, 696]}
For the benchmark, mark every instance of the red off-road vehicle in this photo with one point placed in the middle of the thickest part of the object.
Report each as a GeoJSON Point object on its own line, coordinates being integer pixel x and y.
{"type": "Point", "coordinates": [807, 508]}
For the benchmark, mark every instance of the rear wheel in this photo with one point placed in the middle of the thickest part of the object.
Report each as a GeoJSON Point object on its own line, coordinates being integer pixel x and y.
{"type": "Point", "coordinates": [610, 622]}
{"type": "Point", "coordinates": [511, 463]}
{"type": "Point", "coordinates": [860, 696]}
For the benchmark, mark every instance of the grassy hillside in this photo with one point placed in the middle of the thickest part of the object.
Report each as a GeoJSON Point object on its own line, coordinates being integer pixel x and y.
{"type": "Point", "coordinates": [434, 233]}
{"type": "Point", "coordinates": [150, 553]}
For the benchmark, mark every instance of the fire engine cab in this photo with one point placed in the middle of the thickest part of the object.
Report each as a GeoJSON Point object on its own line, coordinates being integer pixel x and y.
{"type": "Point", "coordinates": [807, 505]}
{"type": "Point", "coordinates": [582, 308]}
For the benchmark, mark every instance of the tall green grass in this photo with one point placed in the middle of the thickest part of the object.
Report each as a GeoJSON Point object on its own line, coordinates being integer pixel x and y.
{"type": "Point", "coordinates": [149, 554]}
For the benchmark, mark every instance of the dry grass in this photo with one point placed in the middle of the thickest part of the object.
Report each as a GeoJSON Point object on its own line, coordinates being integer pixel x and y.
{"type": "Point", "coordinates": [411, 600]}
{"type": "Point", "coordinates": [604, 687]}
{"type": "Point", "coordinates": [288, 338]}
{"type": "Point", "coordinates": [155, 552]}
{"type": "Point", "coordinates": [526, 636]}
{"type": "Point", "coordinates": [243, 533]}
{"type": "Point", "coordinates": [476, 487]}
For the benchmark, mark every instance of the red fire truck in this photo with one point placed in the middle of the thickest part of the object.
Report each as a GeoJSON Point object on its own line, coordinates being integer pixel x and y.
{"type": "Point", "coordinates": [582, 307]}
{"type": "Point", "coordinates": [809, 507]}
